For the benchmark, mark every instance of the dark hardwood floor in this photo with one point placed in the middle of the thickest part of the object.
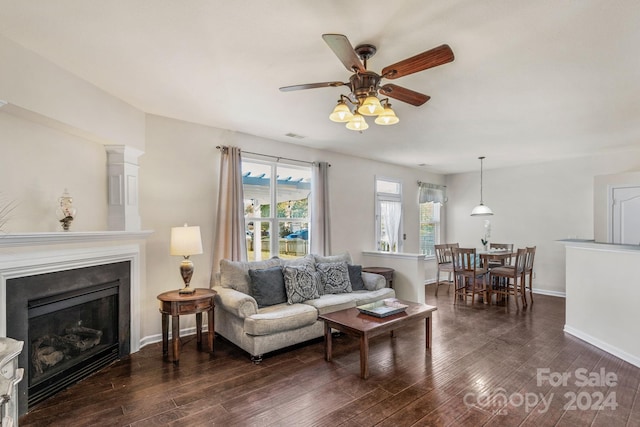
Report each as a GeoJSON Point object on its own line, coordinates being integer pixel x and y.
{"type": "Point", "coordinates": [483, 370]}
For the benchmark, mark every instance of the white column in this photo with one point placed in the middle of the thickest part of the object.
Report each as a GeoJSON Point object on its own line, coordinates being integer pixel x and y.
{"type": "Point", "coordinates": [122, 176]}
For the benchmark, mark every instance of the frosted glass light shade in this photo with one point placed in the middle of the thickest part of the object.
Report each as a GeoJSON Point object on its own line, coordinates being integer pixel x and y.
{"type": "Point", "coordinates": [357, 122]}
{"type": "Point", "coordinates": [341, 113]}
{"type": "Point", "coordinates": [186, 241]}
{"type": "Point", "coordinates": [481, 210]}
{"type": "Point", "coordinates": [371, 107]}
{"type": "Point", "coordinates": [388, 117]}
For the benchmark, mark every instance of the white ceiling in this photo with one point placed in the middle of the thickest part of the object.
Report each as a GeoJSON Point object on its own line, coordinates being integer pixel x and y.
{"type": "Point", "coordinates": [532, 80]}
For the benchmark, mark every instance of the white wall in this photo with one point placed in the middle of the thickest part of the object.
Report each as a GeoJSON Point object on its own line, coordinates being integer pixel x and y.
{"type": "Point", "coordinates": [37, 163]}
{"type": "Point", "coordinates": [533, 205]}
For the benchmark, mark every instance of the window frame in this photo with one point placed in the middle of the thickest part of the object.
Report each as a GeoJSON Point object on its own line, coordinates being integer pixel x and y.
{"type": "Point", "coordinates": [387, 197]}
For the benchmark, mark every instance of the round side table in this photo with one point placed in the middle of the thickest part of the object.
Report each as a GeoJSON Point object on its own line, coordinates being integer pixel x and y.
{"type": "Point", "coordinates": [174, 304]}
{"type": "Point", "coordinates": [383, 271]}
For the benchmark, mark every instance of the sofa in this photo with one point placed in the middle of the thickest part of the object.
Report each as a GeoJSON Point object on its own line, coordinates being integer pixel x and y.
{"type": "Point", "coordinates": [263, 306]}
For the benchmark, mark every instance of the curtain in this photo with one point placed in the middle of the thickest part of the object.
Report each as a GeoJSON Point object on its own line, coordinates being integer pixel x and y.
{"type": "Point", "coordinates": [431, 193]}
{"type": "Point", "coordinates": [391, 213]}
{"type": "Point", "coordinates": [320, 220]}
{"type": "Point", "coordinates": [230, 241]}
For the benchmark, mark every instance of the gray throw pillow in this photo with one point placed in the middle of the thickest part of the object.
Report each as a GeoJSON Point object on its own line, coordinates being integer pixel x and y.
{"type": "Point", "coordinates": [355, 277]}
{"type": "Point", "coordinates": [267, 286]}
{"type": "Point", "coordinates": [300, 282]}
{"type": "Point", "coordinates": [334, 277]}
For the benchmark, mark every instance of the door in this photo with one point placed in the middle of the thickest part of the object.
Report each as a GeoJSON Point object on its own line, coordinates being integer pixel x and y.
{"type": "Point", "coordinates": [626, 215]}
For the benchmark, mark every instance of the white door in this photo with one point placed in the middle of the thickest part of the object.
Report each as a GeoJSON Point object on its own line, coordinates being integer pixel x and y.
{"type": "Point", "coordinates": [626, 215]}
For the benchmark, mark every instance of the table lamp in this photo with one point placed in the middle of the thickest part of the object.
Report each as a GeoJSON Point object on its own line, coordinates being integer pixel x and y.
{"type": "Point", "coordinates": [186, 241]}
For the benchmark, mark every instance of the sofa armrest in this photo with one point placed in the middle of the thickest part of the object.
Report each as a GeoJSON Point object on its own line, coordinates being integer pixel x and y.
{"type": "Point", "coordinates": [373, 281]}
{"type": "Point", "coordinates": [235, 302]}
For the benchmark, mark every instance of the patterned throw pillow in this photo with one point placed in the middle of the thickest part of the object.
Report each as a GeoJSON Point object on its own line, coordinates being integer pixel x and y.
{"type": "Point", "coordinates": [300, 282]}
{"type": "Point", "coordinates": [334, 277]}
{"type": "Point", "coordinates": [267, 286]}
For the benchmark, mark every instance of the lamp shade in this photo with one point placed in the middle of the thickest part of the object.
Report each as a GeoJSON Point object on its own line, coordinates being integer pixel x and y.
{"type": "Point", "coordinates": [387, 117]}
{"type": "Point", "coordinates": [357, 122]}
{"type": "Point", "coordinates": [186, 241]}
{"type": "Point", "coordinates": [371, 107]}
{"type": "Point", "coordinates": [481, 210]}
{"type": "Point", "coordinates": [341, 113]}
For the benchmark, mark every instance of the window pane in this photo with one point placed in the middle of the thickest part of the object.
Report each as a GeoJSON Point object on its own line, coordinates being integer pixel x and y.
{"type": "Point", "coordinates": [429, 218]}
{"type": "Point", "coordinates": [390, 187]}
{"type": "Point", "coordinates": [292, 192]}
{"type": "Point", "coordinates": [294, 239]}
{"type": "Point", "coordinates": [256, 179]}
{"type": "Point", "coordinates": [258, 240]}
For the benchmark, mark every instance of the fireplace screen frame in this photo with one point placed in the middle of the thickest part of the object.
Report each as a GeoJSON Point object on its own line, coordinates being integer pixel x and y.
{"type": "Point", "coordinates": [21, 292]}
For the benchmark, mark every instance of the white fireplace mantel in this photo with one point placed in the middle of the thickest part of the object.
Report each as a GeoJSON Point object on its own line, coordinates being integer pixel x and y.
{"type": "Point", "coordinates": [63, 237]}
{"type": "Point", "coordinates": [25, 254]}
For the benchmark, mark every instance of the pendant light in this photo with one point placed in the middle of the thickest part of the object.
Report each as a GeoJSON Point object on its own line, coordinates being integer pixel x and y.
{"type": "Point", "coordinates": [481, 209]}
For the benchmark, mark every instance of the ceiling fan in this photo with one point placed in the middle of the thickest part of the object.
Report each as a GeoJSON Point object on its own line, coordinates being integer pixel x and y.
{"type": "Point", "coordinates": [365, 84]}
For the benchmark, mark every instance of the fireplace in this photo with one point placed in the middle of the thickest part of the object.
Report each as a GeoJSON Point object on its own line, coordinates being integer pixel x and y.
{"type": "Point", "coordinates": [73, 322]}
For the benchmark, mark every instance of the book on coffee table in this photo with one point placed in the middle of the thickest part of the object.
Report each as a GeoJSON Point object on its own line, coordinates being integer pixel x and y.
{"type": "Point", "coordinates": [384, 308]}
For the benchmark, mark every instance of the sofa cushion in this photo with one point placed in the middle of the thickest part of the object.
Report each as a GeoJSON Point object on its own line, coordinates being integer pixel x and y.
{"type": "Point", "coordinates": [334, 277]}
{"type": "Point", "coordinates": [278, 318]}
{"type": "Point", "coordinates": [267, 286]}
{"type": "Point", "coordinates": [235, 274]}
{"type": "Point", "coordinates": [344, 257]}
{"type": "Point", "coordinates": [329, 303]}
{"type": "Point", "coordinates": [355, 277]}
{"type": "Point", "coordinates": [367, 297]}
{"type": "Point", "coordinates": [301, 283]}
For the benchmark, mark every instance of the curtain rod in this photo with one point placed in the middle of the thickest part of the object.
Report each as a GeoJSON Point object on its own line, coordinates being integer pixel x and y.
{"type": "Point", "coordinates": [437, 185]}
{"type": "Point", "coordinates": [224, 147]}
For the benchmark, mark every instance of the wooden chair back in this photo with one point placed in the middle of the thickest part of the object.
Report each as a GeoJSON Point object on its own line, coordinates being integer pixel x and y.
{"type": "Point", "coordinates": [443, 254]}
{"type": "Point", "coordinates": [531, 254]}
{"type": "Point", "coordinates": [464, 260]}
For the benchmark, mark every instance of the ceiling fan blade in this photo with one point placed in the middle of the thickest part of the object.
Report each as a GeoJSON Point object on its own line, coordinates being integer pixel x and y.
{"type": "Point", "coordinates": [341, 46]}
{"type": "Point", "coordinates": [422, 61]}
{"type": "Point", "coordinates": [312, 86]}
{"type": "Point", "coordinates": [403, 94]}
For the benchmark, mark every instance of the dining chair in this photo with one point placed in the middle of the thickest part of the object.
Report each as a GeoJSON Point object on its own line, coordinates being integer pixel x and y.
{"type": "Point", "coordinates": [444, 264]}
{"type": "Point", "coordinates": [506, 261]}
{"type": "Point", "coordinates": [528, 271]}
{"type": "Point", "coordinates": [470, 277]}
{"type": "Point", "coordinates": [509, 280]}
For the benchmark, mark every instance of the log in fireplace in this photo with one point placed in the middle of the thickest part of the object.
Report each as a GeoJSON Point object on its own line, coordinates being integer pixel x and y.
{"type": "Point", "coordinates": [73, 323]}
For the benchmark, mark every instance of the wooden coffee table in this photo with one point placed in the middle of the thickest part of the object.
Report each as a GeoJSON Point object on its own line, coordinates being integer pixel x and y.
{"type": "Point", "coordinates": [364, 326]}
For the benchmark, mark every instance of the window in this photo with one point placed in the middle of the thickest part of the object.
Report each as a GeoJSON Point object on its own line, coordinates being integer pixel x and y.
{"type": "Point", "coordinates": [276, 205]}
{"type": "Point", "coordinates": [429, 227]}
{"type": "Point", "coordinates": [388, 214]}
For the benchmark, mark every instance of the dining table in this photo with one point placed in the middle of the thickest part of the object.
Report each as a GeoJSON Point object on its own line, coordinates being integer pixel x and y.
{"type": "Point", "coordinates": [500, 255]}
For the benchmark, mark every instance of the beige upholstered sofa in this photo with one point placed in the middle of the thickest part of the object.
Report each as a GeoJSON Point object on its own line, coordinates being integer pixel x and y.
{"type": "Point", "coordinates": [260, 321]}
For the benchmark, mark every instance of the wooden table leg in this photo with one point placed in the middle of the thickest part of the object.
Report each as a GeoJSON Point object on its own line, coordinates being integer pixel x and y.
{"type": "Point", "coordinates": [327, 342]}
{"type": "Point", "coordinates": [165, 335]}
{"type": "Point", "coordinates": [364, 356]}
{"type": "Point", "coordinates": [428, 331]}
{"type": "Point", "coordinates": [212, 330]}
{"type": "Point", "coordinates": [175, 338]}
{"type": "Point", "coordinates": [199, 330]}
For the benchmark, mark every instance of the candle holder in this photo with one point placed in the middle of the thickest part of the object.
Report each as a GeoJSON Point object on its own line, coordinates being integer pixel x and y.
{"type": "Point", "coordinates": [66, 212]}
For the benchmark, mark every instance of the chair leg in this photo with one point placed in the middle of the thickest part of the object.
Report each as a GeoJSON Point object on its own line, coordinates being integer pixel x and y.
{"type": "Point", "coordinates": [437, 281]}
{"type": "Point", "coordinates": [531, 287]}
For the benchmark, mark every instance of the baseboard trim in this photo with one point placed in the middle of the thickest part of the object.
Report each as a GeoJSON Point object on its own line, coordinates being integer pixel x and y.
{"type": "Point", "coordinates": [634, 360]}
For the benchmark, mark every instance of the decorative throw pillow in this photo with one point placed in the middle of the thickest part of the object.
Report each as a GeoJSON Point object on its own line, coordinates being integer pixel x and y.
{"type": "Point", "coordinates": [235, 274]}
{"type": "Point", "coordinates": [355, 277]}
{"type": "Point", "coordinates": [307, 261]}
{"type": "Point", "coordinates": [300, 282]}
{"type": "Point", "coordinates": [334, 277]}
{"type": "Point", "coordinates": [267, 286]}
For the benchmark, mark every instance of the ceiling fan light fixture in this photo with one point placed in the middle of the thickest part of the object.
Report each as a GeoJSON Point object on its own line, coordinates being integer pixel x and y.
{"type": "Point", "coordinates": [357, 123]}
{"type": "Point", "coordinates": [387, 117]}
{"type": "Point", "coordinates": [341, 114]}
{"type": "Point", "coordinates": [371, 107]}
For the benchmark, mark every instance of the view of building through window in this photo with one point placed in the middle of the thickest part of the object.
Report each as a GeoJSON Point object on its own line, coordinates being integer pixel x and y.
{"type": "Point", "coordinates": [276, 205]}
